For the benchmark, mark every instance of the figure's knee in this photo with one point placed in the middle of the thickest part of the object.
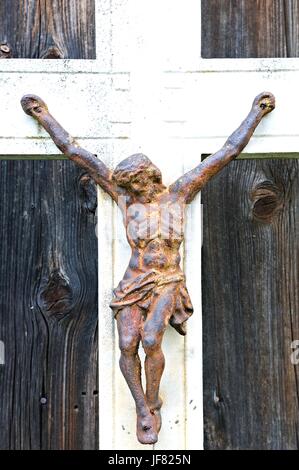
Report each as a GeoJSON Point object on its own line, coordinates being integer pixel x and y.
{"type": "Point", "coordinates": [151, 343]}
{"type": "Point", "coordinates": [128, 344]}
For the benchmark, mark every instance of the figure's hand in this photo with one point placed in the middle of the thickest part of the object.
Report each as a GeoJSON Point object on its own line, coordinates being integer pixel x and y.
{"type": "Point", "coordinates": [264, 102]}
{"type": "Point", "coordinates": [33, 105]}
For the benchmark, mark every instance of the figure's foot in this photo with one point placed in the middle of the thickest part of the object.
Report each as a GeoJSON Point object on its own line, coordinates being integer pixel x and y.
{"type": "Point", "coordinates": [156, 411]}
{"type": "Point", "coordinates": [147, 429]}
{"type": "Point", "coordinates": [33, 105]}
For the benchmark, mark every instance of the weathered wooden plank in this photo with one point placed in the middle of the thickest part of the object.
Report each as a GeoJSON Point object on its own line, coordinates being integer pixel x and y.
{"type": "Point", "coordinates": [48, 274]}
{"type": "Point", "coordinates": [250, 259]}
{"type": "Point", "coordinates": [250, 28]}
{"type": "Point", "coordinates": [48, 304]}
{"type": "Point", "coordinates": [251, 305]}
{"type": "Point", "coordinates": [49, 30]}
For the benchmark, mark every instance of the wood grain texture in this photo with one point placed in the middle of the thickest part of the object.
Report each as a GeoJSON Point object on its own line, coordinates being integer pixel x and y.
{"type": "Point", "coordinates": [48, 29]}
{"type": "Point", "coordinates": [251, 306]}
{"type": "Point", "coordinates": [250, 28]}
{"type": "Point", "coordinates": [48, 273]}
{"type": "Point", "coordinates": [48, 314]}
{"type": "Point", "coordinates": [250, 258]}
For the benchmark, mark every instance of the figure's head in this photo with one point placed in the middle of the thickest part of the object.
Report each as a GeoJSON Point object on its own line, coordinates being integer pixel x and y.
{"type": "Point", "coordinates": [138, 175]}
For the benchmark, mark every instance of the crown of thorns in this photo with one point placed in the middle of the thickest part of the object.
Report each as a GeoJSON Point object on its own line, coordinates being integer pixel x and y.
{"type": "Point", "coordinates": [127, 170]}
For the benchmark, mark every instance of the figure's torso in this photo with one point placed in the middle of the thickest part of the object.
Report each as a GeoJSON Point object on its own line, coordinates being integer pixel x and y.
{"type": "Point", "coordinates": [155, 232]}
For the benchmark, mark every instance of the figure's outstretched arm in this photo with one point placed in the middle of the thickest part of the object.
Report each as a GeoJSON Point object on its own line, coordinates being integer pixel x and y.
{"type": "Point", "coordinates": [193, 181]}
{"type": "Point", "coordinates": [37, 108]}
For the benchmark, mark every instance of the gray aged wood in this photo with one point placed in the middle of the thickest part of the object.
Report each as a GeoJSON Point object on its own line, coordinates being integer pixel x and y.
{"type": "Point", "coordinates": [250, 259]}
{"type": "Point", "coordinates": [250, 298]}
{"type": "Point", "coordinates": [48, 317]}
{"type": "Point", "coordinates": [48, 29]}
{"type": "Point", "coordinates": [48, 269]}
{"type": "Point", "coordinates": [250, 28]}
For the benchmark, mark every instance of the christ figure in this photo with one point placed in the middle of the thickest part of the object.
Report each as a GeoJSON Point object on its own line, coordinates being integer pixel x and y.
{"type": "Point", "coordinates": [152, 293]}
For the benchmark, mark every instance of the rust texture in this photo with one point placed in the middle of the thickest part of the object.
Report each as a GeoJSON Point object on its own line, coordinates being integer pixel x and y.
{"type": "Point", "coordinates": [152, 293]}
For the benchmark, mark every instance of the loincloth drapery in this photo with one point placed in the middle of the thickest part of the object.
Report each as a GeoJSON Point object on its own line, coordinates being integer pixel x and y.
{"type": "Point", "coordinates": [140, 290]}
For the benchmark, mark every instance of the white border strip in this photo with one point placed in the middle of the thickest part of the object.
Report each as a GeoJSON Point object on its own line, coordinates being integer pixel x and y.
{"type": "Point", "coordinates": [96, 66]}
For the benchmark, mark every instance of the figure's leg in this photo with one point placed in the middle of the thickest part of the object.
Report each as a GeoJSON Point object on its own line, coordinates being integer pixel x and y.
{"type": "Point", "coordinates": [154, 327]}
{"type": "Point", "coordinates": [129, 322]}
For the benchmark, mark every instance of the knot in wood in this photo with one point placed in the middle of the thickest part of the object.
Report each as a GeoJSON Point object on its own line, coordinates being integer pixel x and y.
{"type": "Point", "coordinates": [53, 52]}
{"type": "Point", "coordinates": [267, 200]}
{"type": "Point", "coordinates": [88, 193]}
{"type": "Point", "coordinates": [5, 51]}
{"type": "Point", "coordinates": [55, 297]}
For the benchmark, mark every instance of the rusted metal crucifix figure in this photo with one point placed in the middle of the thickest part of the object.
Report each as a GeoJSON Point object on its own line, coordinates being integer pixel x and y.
{"type": "Point", "coordinates": [152, 292]}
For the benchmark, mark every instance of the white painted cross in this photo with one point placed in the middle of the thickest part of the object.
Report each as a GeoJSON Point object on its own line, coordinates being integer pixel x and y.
{"type": "Point", "coordinates": [149, 91]}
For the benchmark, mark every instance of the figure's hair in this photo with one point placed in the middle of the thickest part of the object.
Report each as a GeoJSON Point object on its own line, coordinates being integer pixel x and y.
{"type": "Point", "coordinates": [126, 170]}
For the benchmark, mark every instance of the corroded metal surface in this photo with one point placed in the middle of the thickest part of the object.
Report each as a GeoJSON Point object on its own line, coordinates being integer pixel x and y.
{"type": "Point", "coordinates": [152, 293]}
